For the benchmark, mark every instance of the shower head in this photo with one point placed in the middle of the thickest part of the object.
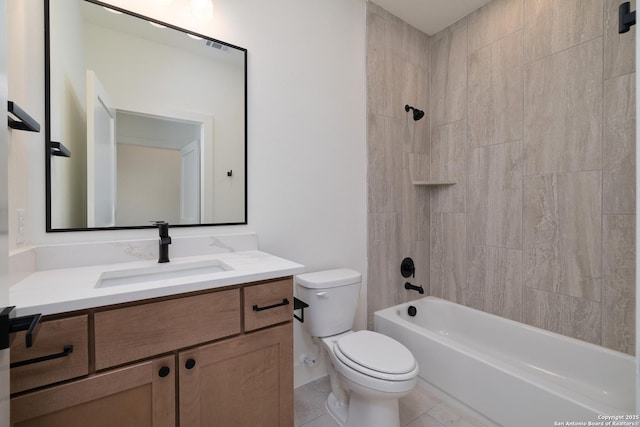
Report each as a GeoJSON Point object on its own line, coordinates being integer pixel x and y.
{"type": "Point", "coordinates": [417, 114]}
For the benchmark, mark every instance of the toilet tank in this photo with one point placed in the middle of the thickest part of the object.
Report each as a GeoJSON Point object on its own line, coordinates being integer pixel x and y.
{"type": "Point", "coordinates": [332, 296]}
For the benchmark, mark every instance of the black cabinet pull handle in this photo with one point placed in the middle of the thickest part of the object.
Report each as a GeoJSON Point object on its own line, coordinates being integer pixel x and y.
{"type": "Point", "coordinates": [164, 371]}
{"type": "Point", "coordinates": [24, 121]}
{"type": "Point", "coordinates": [268, 307]}
{"type": "Point", "coordinates": [67, 350]}
{"type": "Point", "coordinates": [190, 363]}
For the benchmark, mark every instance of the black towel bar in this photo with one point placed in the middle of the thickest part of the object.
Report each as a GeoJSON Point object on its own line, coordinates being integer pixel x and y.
{"type": "Point", "coordinates": [24, 121]}
{"type": "Point", "coordinates": [299, 305]}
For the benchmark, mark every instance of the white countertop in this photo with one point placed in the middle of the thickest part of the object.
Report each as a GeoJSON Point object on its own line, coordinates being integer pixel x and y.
{"type": "Point", "coordinates": [68, 289]}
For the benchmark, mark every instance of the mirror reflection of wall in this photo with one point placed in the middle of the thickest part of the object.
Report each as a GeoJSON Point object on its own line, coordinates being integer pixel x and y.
{"type": "Point", "coordinates": [158, 165]}
{"type": "Point", "coordinates": [150, 74]}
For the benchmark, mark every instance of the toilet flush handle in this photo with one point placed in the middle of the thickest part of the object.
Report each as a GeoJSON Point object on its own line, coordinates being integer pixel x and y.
{"type": "Point", "coordinates": [322, 294]}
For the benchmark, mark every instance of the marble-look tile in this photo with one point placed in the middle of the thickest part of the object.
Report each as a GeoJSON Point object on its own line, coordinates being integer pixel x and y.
{"type": "Point", "coordinates": [448, 249]}
{"type": "Point", "coordinates": [384, 282]}
{"type": "Point", "coordinates": [450, 417]}
{"type": "Point", "coordinates": [425, 420]}
{"type": "Point", "coordinates": [384, 164]}
{"type": "Point", "coordinates": [472, 294]}
{"type": "Point", "coordinates": [416, 403]}
{"type": "Point", "coordinates": [417, 165]}
{"type": "Point", "coordinates": [415, 135]}
{"type": "Point", "coordinates": [448, 51]}
{"type": "Point", "coordinates": [495, 92]}
{"type": "Point", "coordinates": [494, 196]}
{"type": "Point", "coordinates": [379, 68]}
{"type": "Point", "coordinates": [382, 226]}
{"type": "Point", "coordinates": [415, 204]}
{"type": "Point", "coordinates": [574, 317]}
{"type": "Point", "coordinates": [563, 111]}
{"type": "Point", "coordinates": [410, 86]}
{"type": "Point", "coordinates": [562, 233]}
{"type": "Point", "coordinates": [619, 163]}
{"type": "Point", "coordinates": [554, 25]}
{"type": "Point", "coordinates": [494, 21]}
{"type": "Point", "coordinates": [448, 156]}
{"type": "Point", "coordinates": [414, 45]}
{"type": "Point", "coordinates": [324, 420]}
{"type": "Point", "coordinates": [619, 49]}
{"type": "Point", "coordinates": [497, 273]}
{"type": "Point", "coordinates": [618, 293]}
{"type": "Point", "coordinates": [373, 8]}
{"type": "Point", "coordinates": [309, 400]}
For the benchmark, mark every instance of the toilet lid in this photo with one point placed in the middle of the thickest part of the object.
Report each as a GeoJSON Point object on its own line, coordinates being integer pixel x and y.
{"type": "Point", "coordinates": [375, 352]}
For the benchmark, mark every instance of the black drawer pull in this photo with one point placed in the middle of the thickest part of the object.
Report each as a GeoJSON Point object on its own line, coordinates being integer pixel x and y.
{"type": "Point", "coordinates": [67, 350]}
{"type": "Point", "coordinates": [164, 371]}
{"type": "Point", "coordinates": [284, 302]}
{"type": "Point", "coordinates": [190, 363]}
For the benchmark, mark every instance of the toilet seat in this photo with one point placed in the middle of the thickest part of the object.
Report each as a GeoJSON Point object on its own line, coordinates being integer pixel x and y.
{"type": "Point", "coordinates": [376, 355]}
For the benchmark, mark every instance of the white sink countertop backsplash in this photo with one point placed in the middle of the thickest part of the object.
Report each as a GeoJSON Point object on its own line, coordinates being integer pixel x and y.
{"type": "Point", "coordinates": [66, 275]}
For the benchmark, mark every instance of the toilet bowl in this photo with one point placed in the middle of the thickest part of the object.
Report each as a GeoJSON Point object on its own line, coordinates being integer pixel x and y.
{"type": "Point", "coordinates": [376, 370]}
{"type": "Point", "coordinates": [368, 371]}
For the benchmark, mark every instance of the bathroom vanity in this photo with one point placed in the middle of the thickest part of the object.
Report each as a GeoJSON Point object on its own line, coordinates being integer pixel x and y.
{"type": "Point", "coordinates": [206, 349]}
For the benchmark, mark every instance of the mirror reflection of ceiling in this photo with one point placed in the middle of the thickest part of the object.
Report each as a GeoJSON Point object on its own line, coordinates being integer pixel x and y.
{"type": "Point", "coordinates": [159, 132]}
{"type": "Point", "coordinates": [103, 18]}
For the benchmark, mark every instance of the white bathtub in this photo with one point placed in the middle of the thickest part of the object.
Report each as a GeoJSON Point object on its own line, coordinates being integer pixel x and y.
{"type": "Point", "coordinates": [513, 374]}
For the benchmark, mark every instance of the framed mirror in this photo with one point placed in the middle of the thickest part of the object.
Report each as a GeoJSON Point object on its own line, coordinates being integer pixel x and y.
{"type": "Point", "coordinates": [145, 121]}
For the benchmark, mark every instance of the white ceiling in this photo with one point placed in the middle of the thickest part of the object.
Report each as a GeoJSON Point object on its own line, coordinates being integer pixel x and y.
{"type": "Point", "coordinates": [430, 16]}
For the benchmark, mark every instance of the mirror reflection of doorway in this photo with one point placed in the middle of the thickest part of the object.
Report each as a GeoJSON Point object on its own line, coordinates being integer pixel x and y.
{"type": "Point", "coordinates": [101, 155]}
{"type": "Point", "coordinates": [158, 169]}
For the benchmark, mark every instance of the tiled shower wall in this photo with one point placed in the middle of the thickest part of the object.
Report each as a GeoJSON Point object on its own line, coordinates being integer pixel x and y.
{"type": "Point", "coordinates": [532, 114]}
{"type": "Point", "coordinates": [398, 152]}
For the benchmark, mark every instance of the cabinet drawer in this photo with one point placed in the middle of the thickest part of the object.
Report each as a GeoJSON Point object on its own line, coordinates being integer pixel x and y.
{"type": "Point", "coordinates": [262, 304]}
{"type": "Point", "coordinates": [133, 333]}
{"type": "Point", "coordinates": [51, 338]}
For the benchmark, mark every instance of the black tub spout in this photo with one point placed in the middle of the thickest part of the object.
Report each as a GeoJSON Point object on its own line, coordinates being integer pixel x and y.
{"type": "Point", "coordinates": [411, 287]}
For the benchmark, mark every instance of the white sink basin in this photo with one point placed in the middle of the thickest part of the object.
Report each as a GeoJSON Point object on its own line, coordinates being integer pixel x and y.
{"type": "Point", "coordinates": [158, 272]}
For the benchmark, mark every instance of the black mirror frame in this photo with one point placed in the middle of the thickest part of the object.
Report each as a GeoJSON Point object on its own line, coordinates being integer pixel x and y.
{"type": "Point", "coordinates": [49, 142]}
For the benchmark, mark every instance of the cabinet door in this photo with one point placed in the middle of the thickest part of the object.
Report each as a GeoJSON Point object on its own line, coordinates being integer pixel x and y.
{"type": "Point", "coordinates": [244, 381]}
{"type": "Point", "coordinates": [136, 396]}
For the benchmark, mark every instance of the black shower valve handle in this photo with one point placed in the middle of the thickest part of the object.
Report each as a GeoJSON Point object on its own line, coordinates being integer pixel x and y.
{"type": "Point", "coordinates": [407, 268]}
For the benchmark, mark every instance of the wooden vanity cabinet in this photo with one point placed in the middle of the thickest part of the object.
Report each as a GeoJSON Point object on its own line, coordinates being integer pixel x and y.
{"type": "Point", "coordinates": [246, 381]}
{"type": "Point", "coordinates": [204, 359]}
{"type": "Point", "coordinates": [137, 395]}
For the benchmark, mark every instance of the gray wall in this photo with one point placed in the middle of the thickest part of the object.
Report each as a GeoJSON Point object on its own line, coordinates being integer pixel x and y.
{"type": "Point", "coordinates": [532, 113]}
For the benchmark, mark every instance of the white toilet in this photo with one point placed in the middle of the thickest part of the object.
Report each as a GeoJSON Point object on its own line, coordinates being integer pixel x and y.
{"type": "Point", "coordinates": [369, 371]}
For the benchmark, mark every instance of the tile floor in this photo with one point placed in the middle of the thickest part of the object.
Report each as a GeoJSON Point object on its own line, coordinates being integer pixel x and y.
{"type": "Point", "coordinates": [424, 407]}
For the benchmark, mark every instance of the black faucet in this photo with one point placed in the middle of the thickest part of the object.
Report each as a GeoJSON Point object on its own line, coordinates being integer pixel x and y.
{"type": "Point", "coordinates": [409, 286]}
{"type": "Point", "coordinates": [165, 241]}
